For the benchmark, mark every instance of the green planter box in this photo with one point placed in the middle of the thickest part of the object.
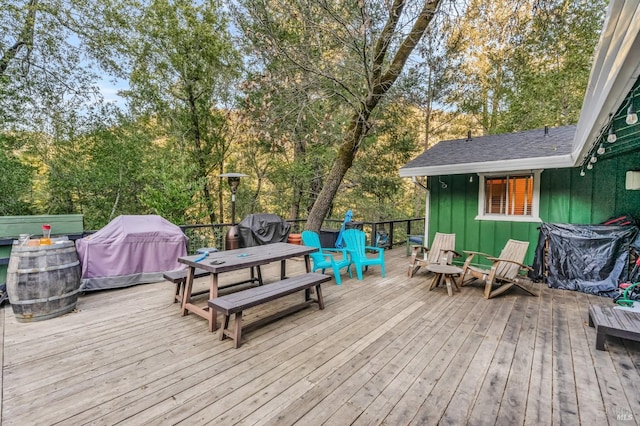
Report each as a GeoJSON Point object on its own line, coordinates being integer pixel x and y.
{"type": "Point", "coordinates": [12, 226]}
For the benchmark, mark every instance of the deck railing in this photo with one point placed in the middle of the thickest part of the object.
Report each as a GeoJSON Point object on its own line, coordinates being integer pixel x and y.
{"type": "Point", "coordinates": [213, 235]}
{"type": "Point", "coordinates": [397, 232]}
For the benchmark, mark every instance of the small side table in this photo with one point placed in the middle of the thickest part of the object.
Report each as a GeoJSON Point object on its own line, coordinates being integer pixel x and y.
{"type": "Point", "coordinates": [445, 272]}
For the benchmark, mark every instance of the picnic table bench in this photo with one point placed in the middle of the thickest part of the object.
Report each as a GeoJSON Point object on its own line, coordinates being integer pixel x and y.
{"type": "Point", "coordinates": [613, 322]}
{"type": "Point", "coordinates": [236, 303]}
{"type": "Point", "coordinates": [179, 278]}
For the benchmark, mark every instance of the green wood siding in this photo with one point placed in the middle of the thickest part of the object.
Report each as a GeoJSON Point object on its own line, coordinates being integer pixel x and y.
{"type": "Point", "coordinates": [565, 197]}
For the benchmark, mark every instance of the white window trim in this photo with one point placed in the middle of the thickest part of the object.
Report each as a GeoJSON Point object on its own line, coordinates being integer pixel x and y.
{"type": "Point", "coordinates": [535, 205]}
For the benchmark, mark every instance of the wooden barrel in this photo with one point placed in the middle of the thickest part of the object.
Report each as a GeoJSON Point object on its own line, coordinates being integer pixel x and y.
{"type": "Point", "coordinates": [43, 282]}
{"type": "Point", "coordinates": [294, 239]}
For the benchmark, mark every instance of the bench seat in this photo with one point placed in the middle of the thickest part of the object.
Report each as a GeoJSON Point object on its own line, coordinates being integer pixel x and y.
{"type": "Point", "coordinates": [236, 303]}
{"type": "Point", "coordinates": [613, 322]}
{"type": "Point", "coordinates": [179, 278]}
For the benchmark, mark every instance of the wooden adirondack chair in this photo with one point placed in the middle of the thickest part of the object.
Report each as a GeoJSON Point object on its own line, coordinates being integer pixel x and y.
{"type": "Point", "coordinates": [357, 248]}
{"type": "Point", "coordinates": [504, 272]}
{"type": "Point", "coordinates": [324, 258]}
{"type": "Point", "coordinates": [443, 246]}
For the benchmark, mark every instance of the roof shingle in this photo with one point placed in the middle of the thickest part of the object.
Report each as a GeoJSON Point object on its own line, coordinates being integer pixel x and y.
{"type": "Point", "coordinates": [498, 148]}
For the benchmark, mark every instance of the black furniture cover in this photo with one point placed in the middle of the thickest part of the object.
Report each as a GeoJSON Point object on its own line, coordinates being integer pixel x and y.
{"type": "Point", "coordinates": [592, 259]}
{"type": "Point", "coordinates": [263, 228]}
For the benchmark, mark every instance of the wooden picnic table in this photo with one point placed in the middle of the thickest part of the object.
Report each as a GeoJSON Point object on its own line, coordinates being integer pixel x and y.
{"type": "Point", "coordinates": [233, 260]}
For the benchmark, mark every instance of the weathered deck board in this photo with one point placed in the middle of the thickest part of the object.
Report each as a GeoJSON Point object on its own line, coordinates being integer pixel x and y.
{"type": "Point", "coordinates": [539, 410]}
{"type": "Point", "coordinates": [514, 401]}
{"type": "Point", "coordinates": [590, 406]}
{"type": "Point", "coordinates": [385, 350]}
{"type": "Point", "coordinates": [462, 402]}
{"type": "Point", "coordinates": [492, 393]}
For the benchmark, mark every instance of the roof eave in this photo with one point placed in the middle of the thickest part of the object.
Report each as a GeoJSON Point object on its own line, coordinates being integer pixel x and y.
{"type": "Point", "coordinates": [615, 69]}
{"type": "Point", "coordinates": [555, 162]}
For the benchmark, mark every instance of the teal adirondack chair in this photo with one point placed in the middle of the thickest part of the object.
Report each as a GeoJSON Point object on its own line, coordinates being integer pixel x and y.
{"type": "Point", "coordinates": [357, 248]}
{"type": "Point", "coordinates": [324, 258]}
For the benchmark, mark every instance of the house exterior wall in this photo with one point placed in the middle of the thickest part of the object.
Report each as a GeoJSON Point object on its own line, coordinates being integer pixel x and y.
{"type": "Point", "coordinates": [565, 197]}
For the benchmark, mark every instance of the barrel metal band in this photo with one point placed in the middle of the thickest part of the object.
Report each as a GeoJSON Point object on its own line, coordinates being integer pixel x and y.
{"type": "Point", "coordinates": [47, 299]}
{"type": "Point", "coordinates": [48, 268]}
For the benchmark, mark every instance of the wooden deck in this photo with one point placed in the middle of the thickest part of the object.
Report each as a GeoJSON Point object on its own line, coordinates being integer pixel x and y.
{"type": "Point", "coordinates": [384, 351]}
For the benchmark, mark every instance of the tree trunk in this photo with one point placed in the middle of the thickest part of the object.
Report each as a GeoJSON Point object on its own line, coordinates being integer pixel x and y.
{"type": "Point", "coordinates": [382, 81]}
{"type": "Point", "coordinates": [202, 167]}
{"type": "Point", "coordinates": [299, 156]}
{"type": "Point", "coordinates": [343, 162]}
{"type": "Point", "coordinates": [220, 196]}
{"type": "Point", "coordinates": [315, 187]}
{"type": "Point", "coordinates": [427, 124]}
{"type": "Point", "coordinates": [25, 39]}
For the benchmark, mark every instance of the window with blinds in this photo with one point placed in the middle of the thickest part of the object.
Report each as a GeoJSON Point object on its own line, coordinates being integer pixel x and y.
{"type": "Point", "coordinates": [508, 195]}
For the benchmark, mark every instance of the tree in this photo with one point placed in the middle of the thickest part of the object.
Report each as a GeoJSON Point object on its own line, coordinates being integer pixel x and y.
{"type": "Point", "coordinates": [183, 65]}
{"type": "Point", "coordinates": [97, 171]}
{"type": "Point", "coordinates": [425, 84]}
{"type": "Point", "coordinates": [551, 65]}
{"type": "Point", "coordinates": [291, 135]}
{"type": "Point", "coordinates": [356, 51]}
{"type": "Point", "coordinates": [529, 68]}
{"type": "Point", "coordinates": [373, 187]}
{"type": "Point", "coordinates": [16, 177]}
{"type": "Point", "coordinates": [48, 53]}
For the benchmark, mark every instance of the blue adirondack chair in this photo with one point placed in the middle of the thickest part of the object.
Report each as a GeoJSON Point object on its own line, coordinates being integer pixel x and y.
{"type": "Point", "coordinates": [357, 248]}
{"type": "Point", "coordinates": [347, 218]}
{"type": "Point", "coordinates": [327, 257]}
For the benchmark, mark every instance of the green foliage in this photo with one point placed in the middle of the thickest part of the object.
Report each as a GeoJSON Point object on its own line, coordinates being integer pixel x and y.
{"type": "Point", "coordinates": [372, 188]}
{"type": "Point", "coordinates": [183, 65]}
{"type": "Point", "coordinates": [167, 191]}
{"type": "Point", "coordinates": [551, 66]}
{"type": "Point", "coordinates": [529, 68]}
{"type": "Point", "coordinates": [49, 52]}
{"type": "Point", "coordinates": [15, 179]}
{"type": "Point", "coordinates": [290, 139]}
{"type": "Point", "coordinates": [97, 174]}
{"type": "Point", "coordinates": [309, 86]}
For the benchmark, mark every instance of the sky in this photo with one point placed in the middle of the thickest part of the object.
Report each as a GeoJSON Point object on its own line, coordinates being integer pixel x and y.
{"type": "Point", "coordinates": [110, 89]}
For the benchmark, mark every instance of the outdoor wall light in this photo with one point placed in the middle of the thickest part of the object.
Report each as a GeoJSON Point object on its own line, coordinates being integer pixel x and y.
{"type": "Point", "coordinates": [601, 150]}
{"type": "Point", "coordinates": [589, 166]}
{"type": "Point", "coordinates": [632, 116]}
{"type": "Point", "coordinates": [611, 137]}
{"type": "Point", "coordinates": [582, 173]}
{"type": "Point", "coordinates": [593, 159]}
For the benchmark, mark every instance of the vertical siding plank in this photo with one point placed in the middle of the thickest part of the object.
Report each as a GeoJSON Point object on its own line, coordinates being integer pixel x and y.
{"type": "Point", "coordinates": [545, 182]}
{"type": "Point", "coordinates": [580, 196]}
{"type": "Point", "coordinates": [434, 210]}
{"type": "Point", "coordinates": [444, 222]}
{"type": "Point", "coordinates": [559, 197]}
{"type": "Point", "coordinates": [459, 215]}
{"type": "Point", "coordinates": [604, 197]}
{"type": "Point", "coordinates": [471, 236]}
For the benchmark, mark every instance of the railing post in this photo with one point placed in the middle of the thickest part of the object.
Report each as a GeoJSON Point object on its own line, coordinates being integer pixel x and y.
{"type": "Point", "coordinates": [374, 233]}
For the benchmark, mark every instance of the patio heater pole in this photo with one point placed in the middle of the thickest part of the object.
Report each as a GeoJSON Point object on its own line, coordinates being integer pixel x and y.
{"type": "Point", "coordinates": [232, 239]}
